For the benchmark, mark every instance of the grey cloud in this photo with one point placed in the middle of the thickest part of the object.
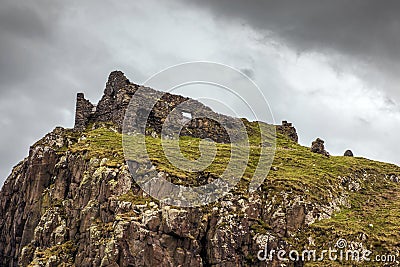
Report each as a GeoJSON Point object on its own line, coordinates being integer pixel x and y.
{"type": "Point", "coordinates": [365, 27]}
{"type": "Point", "coordinates": [28, 20]}
{"type": "Point", "coordinates": [248, 72]}
{"type": "Point", "coordinates": [50, 49]}
{"type": "Point", "coordinates": [365, 30]}
{"type": "Point", "coordinates": [43, 64]}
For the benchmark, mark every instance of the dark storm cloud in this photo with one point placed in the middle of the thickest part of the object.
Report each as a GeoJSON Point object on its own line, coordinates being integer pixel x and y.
{"type": "Point", "coordinates": [366, 30]}
{"type": "Point", "coordinates": [24, 20]}
{"type": "Point", "coordinates": [22, 28]}
{"type": "Point", "coordinates": [50, 50]}
{"type": "Point", "coordinates": [42, 66]}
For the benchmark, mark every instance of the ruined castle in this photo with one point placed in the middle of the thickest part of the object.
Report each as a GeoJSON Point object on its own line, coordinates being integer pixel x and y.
{"type": "Point", "coordinates": [200, 120]}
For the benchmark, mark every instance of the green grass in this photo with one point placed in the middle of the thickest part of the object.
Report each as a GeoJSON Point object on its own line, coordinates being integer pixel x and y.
{"type": "Point", "coordinates": [135, 199]}
{"type": "Point", "coordinates": [374, 215]}
{"type": "Point", "coordinates": [297, 173]}
{"type": "Point", "coordinates": [64, 252]}
{"type": "Point", "coordinates": [314, 176]}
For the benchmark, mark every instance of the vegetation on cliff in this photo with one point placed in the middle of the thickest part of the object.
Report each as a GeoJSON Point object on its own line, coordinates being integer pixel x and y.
{"type": "Point", "coordinates": [362, 194]}
{"type": "Point", "coordinates": [74, 202]}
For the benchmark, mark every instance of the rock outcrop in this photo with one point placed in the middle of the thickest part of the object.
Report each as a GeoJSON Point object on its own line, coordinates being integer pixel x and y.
{"type": "Point", "coordinates": [286, 128]}
{"type": "Point", "coordinates": [348, 153]}
{"type": "Point", "coordinates": [74, 202]}
{"type": "Point", "coordinates": [118, 93]}
{"type": "Point", "coordinates": [112, 105]}
{"type": "Point", "coordinates": [63, 209]}
{"type": "Point", "coordinates": [318, 147]}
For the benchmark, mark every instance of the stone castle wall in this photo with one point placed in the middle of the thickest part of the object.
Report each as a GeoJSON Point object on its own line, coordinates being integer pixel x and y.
{"type": "Point", "coordinates": [202, 122]}
{"type": "Point", "coordinates": [84, 110]}
{"type": "Point", "coordinates": [112, 105]}
{"type": "Point", "coordinates": [287, 129]}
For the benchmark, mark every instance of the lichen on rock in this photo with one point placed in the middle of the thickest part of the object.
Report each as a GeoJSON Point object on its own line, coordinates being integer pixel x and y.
{"type": "Point", "coordinates": [73, 201]}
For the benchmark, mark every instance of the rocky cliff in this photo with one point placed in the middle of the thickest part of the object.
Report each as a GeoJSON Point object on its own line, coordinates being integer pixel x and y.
{"type": "Point", "coordinates": [73, 201]}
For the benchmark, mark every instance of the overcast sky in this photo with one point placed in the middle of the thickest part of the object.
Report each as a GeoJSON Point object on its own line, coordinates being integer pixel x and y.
{"type": "Point", "coordinates": [330, 67]}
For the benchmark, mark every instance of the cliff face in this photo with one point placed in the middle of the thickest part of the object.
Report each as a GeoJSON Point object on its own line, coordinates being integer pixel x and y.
{"type": "Point", "coordinates": [73, 201]}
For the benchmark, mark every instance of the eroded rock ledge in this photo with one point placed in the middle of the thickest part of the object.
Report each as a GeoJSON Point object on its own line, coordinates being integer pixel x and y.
{"type": "Point", "coordinates": [68, 204]}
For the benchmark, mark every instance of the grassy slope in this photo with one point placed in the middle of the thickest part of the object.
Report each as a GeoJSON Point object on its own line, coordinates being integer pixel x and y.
{"type": "Point", "coordinates": [372, 211]}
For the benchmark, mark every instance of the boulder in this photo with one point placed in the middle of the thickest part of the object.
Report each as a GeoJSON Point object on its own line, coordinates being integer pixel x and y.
{"type": "Point", "coordinates": [348, 153]}
{"type": "Point", "coordinates": [318, 147]}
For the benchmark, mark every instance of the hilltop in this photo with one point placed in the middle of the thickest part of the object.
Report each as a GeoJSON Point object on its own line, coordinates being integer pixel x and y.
{"type": "Point", "coordinates": [73, 201]}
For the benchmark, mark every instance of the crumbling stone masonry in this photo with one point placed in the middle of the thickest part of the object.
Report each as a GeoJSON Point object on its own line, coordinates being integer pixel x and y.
{"type": "Point", "coordinates": [201, 123]}
{"type": "Point", "coordinates": [287, 129]}
{"type": "Point", "coordinates": [319, 148]}
{"type": "Point", "coordinates": [84, 110]}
